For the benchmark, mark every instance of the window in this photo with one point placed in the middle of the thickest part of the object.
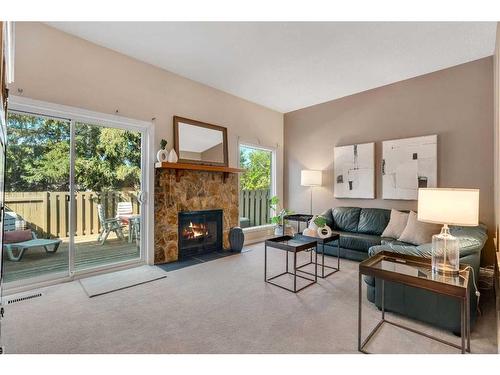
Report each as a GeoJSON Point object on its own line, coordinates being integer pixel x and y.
{"type": "Point", "coordinates": [257, 185]}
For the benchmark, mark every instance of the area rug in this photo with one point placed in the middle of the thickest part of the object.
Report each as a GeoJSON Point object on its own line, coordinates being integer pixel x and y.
{"type": "Point", "coordinates": [103, 284]}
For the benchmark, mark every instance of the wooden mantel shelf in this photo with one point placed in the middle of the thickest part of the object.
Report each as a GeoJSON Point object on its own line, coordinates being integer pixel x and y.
{"type": "Point", "coordinates": [198, 167]}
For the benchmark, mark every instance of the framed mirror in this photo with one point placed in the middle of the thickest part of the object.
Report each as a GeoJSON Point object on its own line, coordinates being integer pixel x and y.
{"type": "Point", "coordinates": [200, 143]}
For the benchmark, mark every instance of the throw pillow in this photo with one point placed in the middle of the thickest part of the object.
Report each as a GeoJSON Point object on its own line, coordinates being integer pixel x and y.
{"type": "Point", "coordinates": [418, 233]}
{"type": "Point", "coordinates": [14, 236]}
{"type": "Point", "coordinates": [397, 224]}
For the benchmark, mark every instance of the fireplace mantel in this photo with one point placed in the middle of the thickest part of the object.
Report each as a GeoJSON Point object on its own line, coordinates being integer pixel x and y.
{"type": "Point", "coordinates": [198, 167]}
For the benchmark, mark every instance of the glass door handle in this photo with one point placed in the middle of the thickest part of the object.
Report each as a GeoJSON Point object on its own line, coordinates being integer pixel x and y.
{"type": "Point", "coordinates": [140, 197]}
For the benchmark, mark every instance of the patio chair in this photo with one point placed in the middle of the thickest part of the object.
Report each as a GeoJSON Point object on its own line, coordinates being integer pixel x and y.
{"type": "Point", "coordinates": [22, 240]}
{"type": "Point", "coordinates": [124, 209]}
{"type": "Point", "coordinates": [108, 226]}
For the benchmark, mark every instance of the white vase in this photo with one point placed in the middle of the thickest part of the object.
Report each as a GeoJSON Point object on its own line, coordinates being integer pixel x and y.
{"type": "Point", "coordinates": [162, 155]}
{"type": "Point", "coordinates": [324, 232]}
{"type": "Point", "coordinates": [172, 156]}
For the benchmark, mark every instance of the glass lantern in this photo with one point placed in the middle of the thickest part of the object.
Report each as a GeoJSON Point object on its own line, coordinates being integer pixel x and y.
{"type": "Point", "coordinates": [445, 252]}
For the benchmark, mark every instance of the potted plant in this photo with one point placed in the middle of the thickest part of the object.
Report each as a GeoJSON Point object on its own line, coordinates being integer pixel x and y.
{"type": "Point", "coordinates": [320, 221]}
{"type": "Point", "coordinates": [282, 226]}
{"type": "Point", "coordinates": [323, 229]}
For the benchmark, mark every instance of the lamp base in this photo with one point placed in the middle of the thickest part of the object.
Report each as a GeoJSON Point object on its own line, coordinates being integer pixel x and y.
{"type": "Point", "coordinates": [445, 271]}
{"type": "Point", "coordinates": [445, 253]}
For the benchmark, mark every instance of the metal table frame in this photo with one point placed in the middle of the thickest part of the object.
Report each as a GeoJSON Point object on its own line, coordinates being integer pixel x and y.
{"type": "Point", "coordinates": [279, 243]}
{"type": "Point", "coordinates": [460, 293]}
{"type": "Point", "coordinates": [322, 241]}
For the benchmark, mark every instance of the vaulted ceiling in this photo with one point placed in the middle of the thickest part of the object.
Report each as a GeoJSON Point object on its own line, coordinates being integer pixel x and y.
{"type": "Point", "coordinates": [290, 65]}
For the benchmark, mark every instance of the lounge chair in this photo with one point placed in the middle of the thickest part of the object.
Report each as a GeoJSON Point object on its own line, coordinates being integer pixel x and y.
{"type": "Point", "coordinates": [22, 240]}
{"type": "Point", "coordinates": [108, 226]}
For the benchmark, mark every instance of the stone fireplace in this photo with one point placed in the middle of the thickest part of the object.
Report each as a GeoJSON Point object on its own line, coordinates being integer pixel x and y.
{"type": "Point", "coordinates": [186, 191]}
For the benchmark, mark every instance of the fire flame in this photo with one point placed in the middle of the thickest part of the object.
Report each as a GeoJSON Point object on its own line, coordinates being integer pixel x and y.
{"type": "Point", "coordinates": [193, 231]}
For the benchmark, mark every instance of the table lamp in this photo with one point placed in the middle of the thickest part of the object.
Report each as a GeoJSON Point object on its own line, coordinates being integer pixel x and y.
{"type": "Point", "coordinates": [448, 207]}
{"type": "Point", "coordinates": [311, 178]}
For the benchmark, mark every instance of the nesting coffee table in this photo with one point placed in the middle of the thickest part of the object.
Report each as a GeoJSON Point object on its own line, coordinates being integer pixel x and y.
{"type": "Point", "coordinates": [293, 245]}
{"type": "Point", "coordinates": [322, 242]}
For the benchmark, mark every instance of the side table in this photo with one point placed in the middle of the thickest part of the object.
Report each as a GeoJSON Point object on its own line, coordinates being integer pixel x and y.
{"type": "Point", "coordinates": [415, 272]}
{"type": "Point", "coordinates": [322, 242]}
{"type": "Point", "coordinates": [290, 245]}
{"type": "Point", "coordinates": [299, 218]}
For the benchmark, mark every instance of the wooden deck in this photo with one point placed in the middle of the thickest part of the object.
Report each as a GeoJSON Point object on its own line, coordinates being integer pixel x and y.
{"type": "Point", "coordinates": [89, 253]}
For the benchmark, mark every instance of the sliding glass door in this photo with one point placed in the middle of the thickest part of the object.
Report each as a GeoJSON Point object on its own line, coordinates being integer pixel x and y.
{"type": "Point", "coordinates": [37, 171]}
{"type": "Point", "coordinates": [107, 195]}
{"type": "Point", "coordinates": [73, 197]}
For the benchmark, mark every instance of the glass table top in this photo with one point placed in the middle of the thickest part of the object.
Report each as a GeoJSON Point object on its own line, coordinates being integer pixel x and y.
{"type": "Point", "coordinates": [421, 270]}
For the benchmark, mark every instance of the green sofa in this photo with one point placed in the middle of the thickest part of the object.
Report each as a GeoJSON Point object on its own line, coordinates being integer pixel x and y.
{"type": "Point", "coordinates": [360, 237]}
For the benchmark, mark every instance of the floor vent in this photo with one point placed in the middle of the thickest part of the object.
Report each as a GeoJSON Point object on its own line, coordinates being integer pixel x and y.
{"type": "Point", "coordinates": [20, 299]}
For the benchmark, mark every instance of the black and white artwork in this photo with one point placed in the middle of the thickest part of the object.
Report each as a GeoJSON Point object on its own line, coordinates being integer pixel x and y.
{"type": "Point", "coordinates": [407, 165]}
{"type": "Point", "coordinates": [354, 168]}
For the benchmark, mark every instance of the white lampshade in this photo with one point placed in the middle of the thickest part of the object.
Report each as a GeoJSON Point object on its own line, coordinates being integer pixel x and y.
{"type": "Point", "coordinates": [449, 206]}
{"type": "Point", "coordinates": [310, 178]}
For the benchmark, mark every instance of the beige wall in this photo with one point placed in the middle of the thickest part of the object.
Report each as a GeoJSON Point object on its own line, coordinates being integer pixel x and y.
{"type": "Point", "coordinates": [496, 76]}
{"type": "Point", "coordinates": [496, 106]}
{"type": "Point", "coordinates": [455, 103]}
{"type": "Point", "coordinates": [59, 68]}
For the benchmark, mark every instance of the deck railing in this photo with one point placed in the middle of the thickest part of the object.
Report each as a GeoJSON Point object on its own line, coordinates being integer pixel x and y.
{"type": "Point", "coordinates": [47, 212]}
{"type": "Point", "coordinates": [254, 205]}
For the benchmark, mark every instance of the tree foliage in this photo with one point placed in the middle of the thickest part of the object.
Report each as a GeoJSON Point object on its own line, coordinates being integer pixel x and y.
{"type": "Point", "coordinates": [38, 156]}
{"type": "Point", "coordinates": [258, 169]}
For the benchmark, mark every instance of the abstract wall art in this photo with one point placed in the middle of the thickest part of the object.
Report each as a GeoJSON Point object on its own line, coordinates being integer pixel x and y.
{"type": "Point", "coordinates": [354, 168]}
{"type": "Point", "coordinates": [407, 165]}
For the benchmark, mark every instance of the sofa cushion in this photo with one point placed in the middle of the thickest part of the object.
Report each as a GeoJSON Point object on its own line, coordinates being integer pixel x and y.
{"type": "Point", "coordinates": [392, 241]}
{"type": "Point", "coordinates": [397, 224]}
{"type": "Point", "coordinates": [358, 241]}
{"type": "Point", "coordinates": [373, 220]}
{"type": "Point", "coordinates": [417, 232]}
{"type": "Point", "coordinates": [346, 218]}
{"type": "Point", "coordinates": [471, 241]}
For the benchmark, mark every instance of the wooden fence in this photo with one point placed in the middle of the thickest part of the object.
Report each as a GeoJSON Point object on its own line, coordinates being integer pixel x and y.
{"type": "Point", "coordinates": [254, 205]}
{"type": "Point", "coordinates": [47, 212]}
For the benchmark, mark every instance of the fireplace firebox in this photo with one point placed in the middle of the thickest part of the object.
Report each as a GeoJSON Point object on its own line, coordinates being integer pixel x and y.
{"type": "Point", "coordinates": [200, 232]}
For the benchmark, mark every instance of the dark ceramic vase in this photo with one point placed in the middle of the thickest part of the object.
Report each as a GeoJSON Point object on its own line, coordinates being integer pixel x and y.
{"type": "Point", "coordinates": [236, 239]}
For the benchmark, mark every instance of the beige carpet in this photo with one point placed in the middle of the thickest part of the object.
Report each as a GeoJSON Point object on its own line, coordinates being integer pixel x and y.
{"type": "Point", "coordinates": [222, 306]}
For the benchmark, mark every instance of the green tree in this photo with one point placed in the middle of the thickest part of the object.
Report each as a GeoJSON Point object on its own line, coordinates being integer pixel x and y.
{"type": "Point", "coordinates": [258, 169]}
{"type": "Point", "coordinates": [38, 152]}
